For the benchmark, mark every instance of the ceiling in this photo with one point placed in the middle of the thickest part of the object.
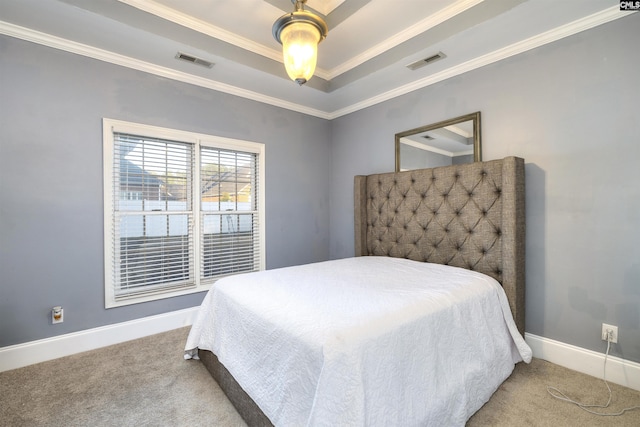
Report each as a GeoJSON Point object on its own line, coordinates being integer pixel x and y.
{"type": "Point", "coordinates": [363, 60]}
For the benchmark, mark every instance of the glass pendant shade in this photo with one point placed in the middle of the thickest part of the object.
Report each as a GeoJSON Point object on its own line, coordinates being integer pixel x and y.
{"type": "Point", "coordinates": [299, 33]}
{"type": "Point", "coordinates": [300, 49]}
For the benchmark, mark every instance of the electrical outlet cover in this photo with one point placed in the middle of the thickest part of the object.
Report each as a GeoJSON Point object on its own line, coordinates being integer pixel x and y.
{"type": "Point", "coordinates": [614, 332]}
{"type": "Point", "coordinates": [60, 317]}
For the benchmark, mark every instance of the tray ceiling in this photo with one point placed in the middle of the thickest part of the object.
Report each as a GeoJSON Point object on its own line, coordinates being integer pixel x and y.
{"type": "Point", "coordinates": [363, 61]}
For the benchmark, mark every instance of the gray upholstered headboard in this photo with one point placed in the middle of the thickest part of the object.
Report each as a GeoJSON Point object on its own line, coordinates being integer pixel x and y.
{"type": "Point", "coordinates": [469, 216]}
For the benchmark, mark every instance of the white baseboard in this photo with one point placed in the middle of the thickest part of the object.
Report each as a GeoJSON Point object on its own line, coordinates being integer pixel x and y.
{"type": "Point", "coordinates": [619, 371]}
{"type": "Point", "coordinates": [19, 355]}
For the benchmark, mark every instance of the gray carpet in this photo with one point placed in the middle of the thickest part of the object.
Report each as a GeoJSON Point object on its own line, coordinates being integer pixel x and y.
{"type": "Point", "coordinates": [146, 382]}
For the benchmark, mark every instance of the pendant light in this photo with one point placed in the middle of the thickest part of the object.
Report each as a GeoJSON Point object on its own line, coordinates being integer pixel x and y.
{"type": "Point", "coordinates": [299, 32]}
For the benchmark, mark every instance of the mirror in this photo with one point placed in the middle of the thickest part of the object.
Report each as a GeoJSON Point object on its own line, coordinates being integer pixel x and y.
{"type": "Point", "coordinates": [449, 142]}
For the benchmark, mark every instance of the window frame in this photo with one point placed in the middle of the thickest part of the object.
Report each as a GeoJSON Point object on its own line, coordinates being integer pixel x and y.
{"type": "Point", "coordinates": [197, 140]}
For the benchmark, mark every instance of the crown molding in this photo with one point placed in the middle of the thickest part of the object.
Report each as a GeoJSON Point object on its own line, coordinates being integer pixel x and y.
{"type": "Point", "coordinates": [541, 39]}
{"type": "Point", "coordinates": [558, 33]}
{"type": "Point", "coordinates": [406, 34]}
{"type": "Point", "coordinates": [203, 27]}
{"type": "Point", "coordinates": [136, 64]}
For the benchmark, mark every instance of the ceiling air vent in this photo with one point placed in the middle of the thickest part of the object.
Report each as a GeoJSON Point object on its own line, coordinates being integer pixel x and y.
{"type": "Point", "coordinates": [426, 61]}
{"type": "Point", "coordinates": [194, 60]}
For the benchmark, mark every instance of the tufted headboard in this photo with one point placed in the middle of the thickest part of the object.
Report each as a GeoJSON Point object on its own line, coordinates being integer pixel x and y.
{"type": "Point", "coordinates": [469, 216]}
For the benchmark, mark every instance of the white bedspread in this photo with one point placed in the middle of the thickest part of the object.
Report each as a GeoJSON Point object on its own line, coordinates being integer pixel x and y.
{"type": "Point", "coordinates": [366, 341]}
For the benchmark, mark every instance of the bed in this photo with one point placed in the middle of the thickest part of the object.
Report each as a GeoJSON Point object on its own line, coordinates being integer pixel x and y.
{"type": "Point", "coordinates": [419, 328]}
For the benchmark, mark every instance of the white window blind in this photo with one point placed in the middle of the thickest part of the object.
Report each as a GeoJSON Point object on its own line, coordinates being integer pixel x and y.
{"type": "Point", "coordinates": [229, 212]}
{"type": "Point", "coordinates": [153, 234]}
{"type": "Point", "coordinates": [181, 211]}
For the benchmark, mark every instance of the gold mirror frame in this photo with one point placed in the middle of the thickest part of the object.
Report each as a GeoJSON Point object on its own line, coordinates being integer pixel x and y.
{"type": "Point", "coordinates": [473, 117]}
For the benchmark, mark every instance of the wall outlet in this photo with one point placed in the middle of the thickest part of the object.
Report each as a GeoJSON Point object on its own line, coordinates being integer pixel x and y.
{"type": "Point", "coordinates": [614, 333]}
{"type": "Point", "coordinates": [57, 315]}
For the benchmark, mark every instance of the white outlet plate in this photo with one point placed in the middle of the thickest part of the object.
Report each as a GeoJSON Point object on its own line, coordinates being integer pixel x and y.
{"type": "Point", "coordinates": [614, 334]}
{"type": "Point", "coordinates": [60, 320]}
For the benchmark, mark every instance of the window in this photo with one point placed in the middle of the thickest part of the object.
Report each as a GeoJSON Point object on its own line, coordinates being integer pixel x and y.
{"type": "Point", "coordinates": [181, 211]}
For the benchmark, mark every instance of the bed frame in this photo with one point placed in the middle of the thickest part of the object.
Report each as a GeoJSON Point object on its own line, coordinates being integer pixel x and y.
{"type": "Point", "coordinates": [470, 216]}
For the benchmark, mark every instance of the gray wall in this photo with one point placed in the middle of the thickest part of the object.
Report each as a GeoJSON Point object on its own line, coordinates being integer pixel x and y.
{"type": "Point", "coordinates": [51, 203]}
{"type": "Point", "coordinates": [570, 109]}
